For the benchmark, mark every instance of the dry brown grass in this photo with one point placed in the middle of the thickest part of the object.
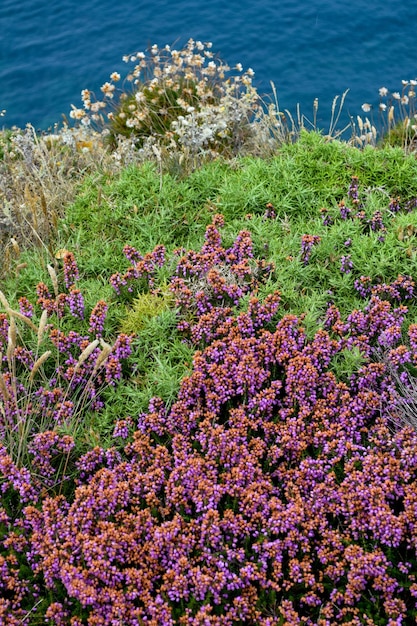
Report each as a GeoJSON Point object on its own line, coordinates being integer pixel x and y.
{"type": "Point", "coordinates": [39, 177]}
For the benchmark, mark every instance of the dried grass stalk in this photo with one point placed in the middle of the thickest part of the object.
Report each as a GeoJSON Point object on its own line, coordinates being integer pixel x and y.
{"type": "Point", "coordinates": [42, 324]}
{"type": "Point", "coordinates": [22, 317]}
{"type": "Point", "coordinates": [38, 363]}
{"type": "Point", "coordinates": [3, 388]}
{"type": "Point", "coordinates": [86, 352]}
{"type": "Point", "coordinates": [107, 348]}
{"type": "Point", "coordinates": [54, 279]}
{"type": "Point", "coordinates": [11, 340]}
{"type": "Point", "coordinates": [4, 301]}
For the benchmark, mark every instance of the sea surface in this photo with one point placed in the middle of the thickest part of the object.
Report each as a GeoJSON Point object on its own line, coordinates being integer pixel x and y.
{"type": "Point", "coordinates": [50, 51]}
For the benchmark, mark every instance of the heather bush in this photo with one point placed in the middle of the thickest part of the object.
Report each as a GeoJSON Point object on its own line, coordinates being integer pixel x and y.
{"type": "Point", "coordinates": [269, 493]}
{"type": "Point", "coordinates": [255, 460]}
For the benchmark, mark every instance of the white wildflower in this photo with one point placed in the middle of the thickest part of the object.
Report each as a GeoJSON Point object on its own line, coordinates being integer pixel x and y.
{"type": "Point", "coordinates": [95, 107]}
{"type": "Point", "coordinates": [182, 103]}
{"type": "Point", "coordinates": [108, 89]}
{"type": "Point", "coordinates": [197, 60]}
{"type": "Point", "coordinates": [77, 114]}
{"type": "Point", "coordinates": [366, 107]}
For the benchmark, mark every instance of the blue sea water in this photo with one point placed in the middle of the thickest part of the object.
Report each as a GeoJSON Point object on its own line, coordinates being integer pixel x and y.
{"type": "Point", "coordinates": [50, 51]}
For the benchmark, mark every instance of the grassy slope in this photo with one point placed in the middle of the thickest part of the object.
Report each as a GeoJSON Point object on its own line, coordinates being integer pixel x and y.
{"type": "Point", "coordinates": [143, 210]}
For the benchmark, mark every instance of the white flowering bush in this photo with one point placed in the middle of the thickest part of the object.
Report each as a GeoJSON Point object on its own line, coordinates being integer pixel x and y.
{"type": "Point", "coordinates": [187, 101]}
{"type": "Point", "coordinates": [396, 118]}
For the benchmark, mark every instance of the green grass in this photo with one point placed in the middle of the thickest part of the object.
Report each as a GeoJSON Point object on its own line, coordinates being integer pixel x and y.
{"type": "Point", "coordinates": [143, 209]}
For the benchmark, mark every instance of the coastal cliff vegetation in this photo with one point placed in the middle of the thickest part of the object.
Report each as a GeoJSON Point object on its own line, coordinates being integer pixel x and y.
{"type": "Point", "coordinates": [208, 357]}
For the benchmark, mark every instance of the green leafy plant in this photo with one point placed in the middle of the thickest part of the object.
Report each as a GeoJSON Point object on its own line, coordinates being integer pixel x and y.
{"type": "Point", "coordinates": [145, 307]}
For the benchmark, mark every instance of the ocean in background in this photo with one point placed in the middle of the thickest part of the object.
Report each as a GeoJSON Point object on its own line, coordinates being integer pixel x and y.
{"type": "Point", "coordinates": [50, 51]}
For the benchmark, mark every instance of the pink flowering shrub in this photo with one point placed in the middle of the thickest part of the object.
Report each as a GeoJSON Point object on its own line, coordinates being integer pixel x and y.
{"type": "Point", "coordinates": [204, 283]}
{"type": "Point", "coordinates": [269, 493]}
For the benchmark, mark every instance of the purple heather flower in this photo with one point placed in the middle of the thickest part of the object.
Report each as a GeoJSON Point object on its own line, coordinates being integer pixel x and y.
{"type": "Point", "coordinates": [75, 302]}
{"type": "Point", "coordinates": [346, 265]}
{"type": "Point", "coordinates": [97, 318]}
{"type": "Point", "coordinates": [25, 307]}
{"type": "Point", "coordinates": [353, 191]}
{"type": "Point", "coordinates": [345, 211]}
{"type": "Point", "coordinates": [325, 217]}
{"type": "Point", "coordinates": [410, 205]}
{"type": "Point", "coordinates": [363, 286]}
{"type": "Point", "coordinates": [132, 254]}
{"type": "Point", "coordinates": [376, 222]}
{"type": "Point", "coordinates": [121, 428]}
{"type": "Point", "coordinates": [394, 205]}
{"type": "Point", "coordinates": [270, 213]}
{"type": "Point", "coordinates": [307, 243]}
{"type": "Point", "coordinates": [71, 274]}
